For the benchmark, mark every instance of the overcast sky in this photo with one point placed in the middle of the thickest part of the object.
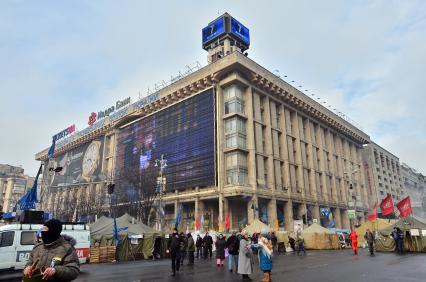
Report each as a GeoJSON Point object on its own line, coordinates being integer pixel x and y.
{"type": "Point", "coordinates": [61, 60]}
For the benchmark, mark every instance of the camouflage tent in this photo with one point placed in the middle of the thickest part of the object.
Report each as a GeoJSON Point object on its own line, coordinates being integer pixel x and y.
{"type": "Point", "coordinates": [414, 236]}
{"type": "Point", "coordinates": [320, 238]}
{"type": "Point", "coordinates": [377, 225]}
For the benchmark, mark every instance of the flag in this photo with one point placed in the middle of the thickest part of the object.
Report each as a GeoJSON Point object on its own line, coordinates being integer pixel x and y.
{"type": "Point", "coordinates": [404, 207]}
{"type": "Point", "coordinates": [387, 205]}
{"type": "Point", "coordinates": [373, 215]}
{"type": "Point", "coordinates": [29, 200]}
{"type": "Point", "coordinates": [52, 148]}
{"type": "Point", "coordinates": [202, 221]}
{"type": "Point", "coordinates": [227, 226]}
{"type": "Point", "coordinates": [196, 223]}
{"type": "Point", "coordinates": [178, 216]}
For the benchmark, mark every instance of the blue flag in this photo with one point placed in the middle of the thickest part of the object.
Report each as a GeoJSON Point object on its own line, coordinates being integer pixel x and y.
{"type": "Point", "coordinates": [29, 200]}
{"type": "Point", "coordinates": [179, 216]}
{"type": "Point", "coordinates": [52, 148]}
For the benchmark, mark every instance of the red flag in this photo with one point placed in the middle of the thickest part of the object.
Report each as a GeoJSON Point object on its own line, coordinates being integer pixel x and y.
{"type": "Point", "coordinates": [227, 222]}
{"type": "Point", "coordinates": [373, 215]}
{"type": "Point", "coordinates": [387, 205]}
{"type": "Point", "coordinates": [196, 223]}
{"type": "Point", "coordinates": [404, 207]}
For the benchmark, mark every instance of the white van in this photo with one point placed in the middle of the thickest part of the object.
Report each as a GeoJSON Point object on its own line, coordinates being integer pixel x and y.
{"type": "Point", "coordinates": [17, 241]}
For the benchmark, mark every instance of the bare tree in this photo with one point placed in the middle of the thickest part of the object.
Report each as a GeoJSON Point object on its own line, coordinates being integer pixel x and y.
{"type": "Point", "coordinates": [135, 194]}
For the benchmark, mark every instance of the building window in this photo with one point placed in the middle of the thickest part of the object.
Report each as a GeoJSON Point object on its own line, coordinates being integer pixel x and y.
{"type": "Point", "coordinates": [236, 168]}
{"type": "Point", "coordinates": [234, 100]}
{"type": "Point", "coordinates": [236, 140]}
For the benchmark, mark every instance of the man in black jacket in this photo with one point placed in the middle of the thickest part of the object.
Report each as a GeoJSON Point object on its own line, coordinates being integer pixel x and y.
{"type": "Point", "coordinates": [233, 245]}
{"type": "Point", "coordinates": [208, 243]}
{"type": "Point", "coordinates": [173, 248]}
{"type": "Point", "coordinates": [199, 246]}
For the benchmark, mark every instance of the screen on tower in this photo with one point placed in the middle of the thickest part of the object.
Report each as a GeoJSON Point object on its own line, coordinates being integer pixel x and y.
{"type": "Point", "coordinates": [183, 134]}
{"type": "Point", "coordinates": [240, 31]}
{"type": "Point", "coordinates": [213, 30]}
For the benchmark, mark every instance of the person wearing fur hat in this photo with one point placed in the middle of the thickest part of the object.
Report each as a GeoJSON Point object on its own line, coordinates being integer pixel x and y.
{"type": "Point", "coordinates": [264, 246]}
{"type": "Point", "coordinates": [55, 256]}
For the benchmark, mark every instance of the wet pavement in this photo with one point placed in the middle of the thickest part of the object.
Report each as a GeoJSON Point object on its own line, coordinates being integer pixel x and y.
{"type": "Point", "coordinates": [316, 266]}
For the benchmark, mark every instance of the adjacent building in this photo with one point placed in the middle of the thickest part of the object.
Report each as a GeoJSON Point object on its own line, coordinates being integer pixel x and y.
{"type": "Point", "coordinates": [383, 173]}
{"type": "Point", "coordinates": [415, 187]}
{"type": "Point", "coordinates": [13, 185]}
{"type": "Point", "coordinates": [229, 141]}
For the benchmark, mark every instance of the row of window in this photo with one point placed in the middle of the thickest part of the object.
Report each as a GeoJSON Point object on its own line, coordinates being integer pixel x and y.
{"type": "Point", "coordinates": [7, 238]}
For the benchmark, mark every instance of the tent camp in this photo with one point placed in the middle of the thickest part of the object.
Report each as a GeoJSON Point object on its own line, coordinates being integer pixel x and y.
{"type": "Point", "coordinates": [257, 226]}
{"type": "Point", "coordinates": [414, 236]}
{"type": "Point", "coordinates": [320, 238]}
{"type": "Point", "coordinates": [136, 239]}
{"type": "Point", "coordinates": [377, 225]}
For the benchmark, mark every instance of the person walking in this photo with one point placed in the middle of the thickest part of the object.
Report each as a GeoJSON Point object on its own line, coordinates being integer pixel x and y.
{"type": "Point", "coordinates": [244, 257]}
{"type": "Point", "coordinates": [233, 245]}
{"type": "Point", "coordinates": [208, 243]}
{"type": "Point", "coordinates": [190, 249]}
{"type": "Point", "coordinates": [55, 256]}
{"type": "Point", "coordinates": [292, 243]}
{"type": "Point", "coordinates": [354, 241]}
{"type": "Point", "coordinates": [183, 246]}
{"type": "Point", "coordinates": [398, 236]}
{"type": "Point", "coordinates": [300, 244]}
{"type": "Point", "coordinates": [220, 250]}
{"type": "Point", "coordinates": [199, 246]}
{"type": "Point", "coordinates": [173, 248]}
{"type": "Point", "coordinates": [265, 251]}
{"type": "Point", "coordinates": [369, 238]}
{"type": "Point", "coordinates": [274, 241]}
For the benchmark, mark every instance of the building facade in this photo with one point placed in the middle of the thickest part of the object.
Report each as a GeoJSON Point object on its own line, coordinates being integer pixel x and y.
{"type": "Point", "coordinates": [415, 187]}
{"type": "Point", "coordinates": [240, 144]}
{"type": "Point", "coordinates": [383, 173]}
{"type": "Point", "coordinates": [13, 185]}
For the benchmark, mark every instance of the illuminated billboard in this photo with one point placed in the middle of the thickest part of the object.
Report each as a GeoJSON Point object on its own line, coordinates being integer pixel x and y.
{"type": "Point", "coordinates": [80, 165]}
{"type": "Point", "coordinates": [213, 30]}
{"type": "Point", "coordinates": [183, 134]}
{"type": "Point", "coordinates": [239, 30]}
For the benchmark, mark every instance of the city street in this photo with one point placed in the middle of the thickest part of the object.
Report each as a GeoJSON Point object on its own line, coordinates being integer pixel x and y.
{"type": "Point", "coordinates": [315, 266]}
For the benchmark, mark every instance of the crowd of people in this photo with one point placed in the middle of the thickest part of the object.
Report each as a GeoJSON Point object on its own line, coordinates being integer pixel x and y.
{"type": "Point", "coordinates": [240, 250]}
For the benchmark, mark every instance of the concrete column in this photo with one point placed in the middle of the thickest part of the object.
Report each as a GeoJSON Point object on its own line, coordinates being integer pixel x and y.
{"type": "Point", "coordinates": [272, 211]}
{"type": "Point", "coordinates": [221, 215]}
{"type": "Point", "coordinates": [251, 148]}
{"type": "Point", "coordinates": [284, 151]}
{"type": "Point", "coordinates": [321, 156]}
{"type": "Point", "coordinates": [288, 215]}
{"type": "Point", "coordinates": [337, 218]}
{"type": "Point", "coordinates": [270, 182]}
{"type": "Point", "coordinates": [252, 213]}
{"type": "Point", "coordinates": [309, 151]}
{"type": "Point", "coordinates": [345, 220]}
{"type": "Point", "coordinates": [301, 211]}
{"type": "Point", "coordinates": [298, 157]}
{"type": "Point", "coordinates": [316, 213]}
{"type": "Point", "coordinates": [220, 139]}
{"type": "Point", "coordinates": [362, 179]}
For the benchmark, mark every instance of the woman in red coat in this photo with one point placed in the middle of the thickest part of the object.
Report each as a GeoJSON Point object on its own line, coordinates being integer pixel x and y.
{"type": "Point", "coordinates": [354, 239]}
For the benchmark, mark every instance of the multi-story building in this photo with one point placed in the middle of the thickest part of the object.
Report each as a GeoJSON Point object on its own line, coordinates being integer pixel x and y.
{"type": "Point", "coordinates": [13, 185]}
{"type": "Point", "coordinates": [383, 173]}
{"type": "Point", "coordinates": [415, 187]}
{"type": "Point", "coordinates": [240, 143]}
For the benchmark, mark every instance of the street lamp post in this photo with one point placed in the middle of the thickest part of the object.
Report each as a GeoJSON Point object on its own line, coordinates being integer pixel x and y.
{"type": "Point", "coordinates": [352, 203]}
{"type": "Point", "coordinates": [161, 187]}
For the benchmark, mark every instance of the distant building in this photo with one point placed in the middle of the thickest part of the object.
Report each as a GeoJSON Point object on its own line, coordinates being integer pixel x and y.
{"type": "Point", "coordinates": [13, 185]}
{"type": "Point", "coordinates": [383, 174]}
{"type": "Point", "coordinates": [415, 186]}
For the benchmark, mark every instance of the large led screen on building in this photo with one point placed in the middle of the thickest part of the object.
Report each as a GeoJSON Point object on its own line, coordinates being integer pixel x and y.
{"type": "Point", "coordinates": [82, 164]}
{"type": "Point", "coordinates": [183, 134]}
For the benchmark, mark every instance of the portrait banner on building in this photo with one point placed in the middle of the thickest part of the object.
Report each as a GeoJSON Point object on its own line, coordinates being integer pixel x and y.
{"type": "Point", "coordinates": [79, 165]}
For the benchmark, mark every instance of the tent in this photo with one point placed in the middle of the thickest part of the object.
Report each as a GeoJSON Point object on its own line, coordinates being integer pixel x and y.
{"type": "Point", "coordinates": [136, 239]}
{"type": "Point", "coordinates": [320, 238]}
{"type": "Point", "coordinates": [257, 226]}
{"type": "Point", "coordinates": [377, 225]}
{"type": "Point", "coordinates": [414, 236]}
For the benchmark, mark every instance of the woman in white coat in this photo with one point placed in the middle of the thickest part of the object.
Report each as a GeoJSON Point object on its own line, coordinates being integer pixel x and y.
{"type": "Point", "coordinates": [244, 257]}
